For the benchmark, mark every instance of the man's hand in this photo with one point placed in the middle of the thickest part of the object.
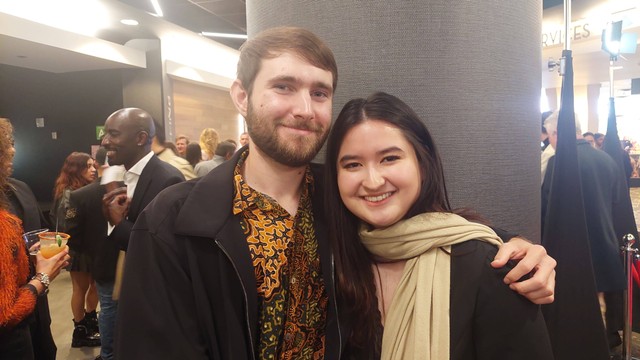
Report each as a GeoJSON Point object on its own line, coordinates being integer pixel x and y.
{"type": "Point", "coordinates": [539, 288]}
{"type": "Point", "coordinates": [115, 205]}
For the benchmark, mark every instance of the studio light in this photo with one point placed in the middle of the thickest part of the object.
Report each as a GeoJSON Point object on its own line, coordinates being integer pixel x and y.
{"type": "Point", "coordinates": [615, 42]}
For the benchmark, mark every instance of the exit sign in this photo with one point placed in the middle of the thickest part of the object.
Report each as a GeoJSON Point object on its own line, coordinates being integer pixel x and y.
{"type": "Point", "coordinates": [99, 132]}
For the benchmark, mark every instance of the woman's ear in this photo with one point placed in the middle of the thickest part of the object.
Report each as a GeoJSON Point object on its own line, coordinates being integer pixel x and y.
{"type": "Point", "coordinates": [240, 97]}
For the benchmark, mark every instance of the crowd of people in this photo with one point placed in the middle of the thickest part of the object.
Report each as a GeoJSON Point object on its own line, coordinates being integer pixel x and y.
{"type": "Point", "coordinates": [268, 255]}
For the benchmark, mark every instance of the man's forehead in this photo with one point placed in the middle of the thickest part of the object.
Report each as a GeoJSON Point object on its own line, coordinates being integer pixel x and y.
{"type": "Point", "coordinates": [119, 122]}
{"type": "Point", "coordinates": [280, 60]}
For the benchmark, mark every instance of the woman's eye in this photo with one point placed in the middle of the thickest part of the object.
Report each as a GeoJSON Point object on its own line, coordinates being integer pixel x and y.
{"type": "Point", "coordinates": [350, 165]}
{"type": "Point", "coordinates": [390, 158]}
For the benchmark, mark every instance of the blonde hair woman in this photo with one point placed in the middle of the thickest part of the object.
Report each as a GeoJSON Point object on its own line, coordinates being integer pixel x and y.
{"type": "Point", "coordinates": [209, 139]}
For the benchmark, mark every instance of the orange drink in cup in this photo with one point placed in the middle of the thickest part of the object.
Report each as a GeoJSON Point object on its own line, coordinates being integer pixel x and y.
{"type": "Point", "coordinates": [52, 242]}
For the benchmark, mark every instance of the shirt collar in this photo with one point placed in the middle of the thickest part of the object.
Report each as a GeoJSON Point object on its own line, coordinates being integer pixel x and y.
{"type": "Point", "coordinates": [140, 165]}
{"type": "Point", "coordinates": [244, 192]}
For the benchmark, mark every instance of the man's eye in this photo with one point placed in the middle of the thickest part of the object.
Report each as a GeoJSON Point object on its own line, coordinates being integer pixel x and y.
{"type": "Point", "coordinates": [323, 94]}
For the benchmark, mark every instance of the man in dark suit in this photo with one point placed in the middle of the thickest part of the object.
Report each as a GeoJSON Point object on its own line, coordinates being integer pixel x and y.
{"type": "Point", "coordinates": [128, 136]}
{"type": "Point", "coordinates": [127, 139]}
{"type": "Point", "coordinates": [23, 204]}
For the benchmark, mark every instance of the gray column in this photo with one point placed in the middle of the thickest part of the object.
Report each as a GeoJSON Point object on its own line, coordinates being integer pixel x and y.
{"type": "Point", "coordinates": [471, 69]}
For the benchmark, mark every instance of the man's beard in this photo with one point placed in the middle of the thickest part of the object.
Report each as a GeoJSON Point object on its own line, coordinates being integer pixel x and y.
{"type": "Point", "coordinates": [297, 152]}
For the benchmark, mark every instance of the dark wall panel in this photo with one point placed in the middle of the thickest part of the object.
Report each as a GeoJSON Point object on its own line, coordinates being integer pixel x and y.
{"type": "Point", "coordinates": [72, 105]}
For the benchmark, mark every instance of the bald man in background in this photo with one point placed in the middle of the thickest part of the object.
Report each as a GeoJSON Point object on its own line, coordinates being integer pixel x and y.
{"type": "Point", "coordinates": [128, 136]}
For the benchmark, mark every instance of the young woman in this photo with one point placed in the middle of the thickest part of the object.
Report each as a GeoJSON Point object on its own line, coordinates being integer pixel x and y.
{"type": "Point", "coordinates": [78, 170]}
{"type": "Point", "coordinates": [209, 140]}
{"type": "Point", "coordinates": [18, 293]}
{"type": "Point", "coordinates": [414, 275]}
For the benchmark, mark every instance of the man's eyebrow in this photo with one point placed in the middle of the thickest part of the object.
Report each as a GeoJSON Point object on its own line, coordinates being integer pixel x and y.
{"type": "Point", "coordinates": [293, 79]}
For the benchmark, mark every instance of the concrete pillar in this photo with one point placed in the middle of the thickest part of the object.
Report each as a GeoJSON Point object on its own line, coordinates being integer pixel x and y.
{"type": "Point", "coordinates": [471, 69]}
{"type": "Point", "coordinates": [553, 98]}
{"type": "Point", "coordinates": [593, 97]}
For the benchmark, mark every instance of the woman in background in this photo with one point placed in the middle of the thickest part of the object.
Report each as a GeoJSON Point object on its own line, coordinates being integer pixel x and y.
{"type": "Point", "coordinates": [193, 154]}
{"type": "Point", "coordinates": [18, 293]}
{"type": "Point", "coordinates": [78, 170]}
{"type": "Point", "coordinates": [209, 139]}
{"type": "Point", "coordinates": [415, 275]}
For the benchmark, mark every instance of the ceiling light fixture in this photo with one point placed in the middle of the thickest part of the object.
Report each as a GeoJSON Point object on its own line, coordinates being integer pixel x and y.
{"type": "Point", "coordinates": [224, 35]}
{"type": "Point", "coordinates": [156, 8]}
{"type": "Point", "coordinates": [130, 22]}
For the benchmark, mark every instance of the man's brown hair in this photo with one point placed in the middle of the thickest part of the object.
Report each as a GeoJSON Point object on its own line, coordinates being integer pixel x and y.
{"type": "Point", "coordinates": [273, 42]}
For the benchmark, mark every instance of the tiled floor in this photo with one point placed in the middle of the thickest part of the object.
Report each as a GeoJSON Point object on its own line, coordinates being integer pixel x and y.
{"type": "Point", "coordinates": [62, 325]}
{"type": "Point", "coordinates": [635, 199]}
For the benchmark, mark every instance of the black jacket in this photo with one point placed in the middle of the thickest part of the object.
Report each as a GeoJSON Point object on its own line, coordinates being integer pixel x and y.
{"type": "Point", "coordinates": [603, 186]}
{"type": "Point", "coordinates": [189, 288]}
{"type": "Point", "coordinates": [156, 176]}
{"type": "Point", "coordinates": [88, 229]}
{"type": "Point", "coordinates": [24, 205]}
{"type": "Point", "coordinates": [488, 319]}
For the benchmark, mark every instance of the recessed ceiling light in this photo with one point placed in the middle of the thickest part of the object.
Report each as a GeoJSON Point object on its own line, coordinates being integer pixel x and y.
{"type": "Point", "coordinates": [224, 35]}
{"type": "Point", "coordinates": [130, 22]}
{"type": "Point", "coordinates": [156, 8]}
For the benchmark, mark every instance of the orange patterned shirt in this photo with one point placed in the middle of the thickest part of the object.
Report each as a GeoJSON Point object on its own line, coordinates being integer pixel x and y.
{"type": "Point", "coordinates": [284, 250]}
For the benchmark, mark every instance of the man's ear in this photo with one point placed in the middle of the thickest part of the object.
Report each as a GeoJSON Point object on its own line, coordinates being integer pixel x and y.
{"type": "Point", "coordinates": [240, 97]}
{"type": "Point", "coordinates": [142, 138]}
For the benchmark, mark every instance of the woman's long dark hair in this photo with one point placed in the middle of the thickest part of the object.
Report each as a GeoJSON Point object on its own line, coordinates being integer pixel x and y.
{"type": "Point", "coordinates": [71, 174]}
{"type": "Point", "coordinates": [193, 154]}
{"type": "Point", "coordinates": [355, 281]}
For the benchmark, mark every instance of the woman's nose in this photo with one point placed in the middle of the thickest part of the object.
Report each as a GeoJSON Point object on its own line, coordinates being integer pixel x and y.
{"type": "Point", "coordinates": [374, 179]}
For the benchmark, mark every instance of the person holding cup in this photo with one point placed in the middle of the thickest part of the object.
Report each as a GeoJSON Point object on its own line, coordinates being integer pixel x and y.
{"type": "Point", "coordinates": [17, 295]}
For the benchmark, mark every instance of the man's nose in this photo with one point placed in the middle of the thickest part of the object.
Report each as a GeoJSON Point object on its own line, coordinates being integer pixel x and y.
{"type": "Point", "coordinates": [303, 105]}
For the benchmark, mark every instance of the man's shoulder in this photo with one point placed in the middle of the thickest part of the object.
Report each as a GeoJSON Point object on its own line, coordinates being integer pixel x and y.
{"type": "Point", "coordinates": [87, 189]}
{"type": "Point", "coordinates": [169, 201]}
{"type": "Point", "coordinates": [588, 153]}
{"type": "Point", "coordinates": [204, 167]}
{"type": "Point", "coordinates": [160, 167]}
{"type": "Point", "coordinates": [205, 164]}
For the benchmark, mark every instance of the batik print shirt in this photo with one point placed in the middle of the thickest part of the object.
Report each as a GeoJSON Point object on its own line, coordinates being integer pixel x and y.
{"type": "Point", "coordinates": [284, 250]}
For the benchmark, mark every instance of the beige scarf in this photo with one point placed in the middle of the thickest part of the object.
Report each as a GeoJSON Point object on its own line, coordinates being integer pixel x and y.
{"type": "Point", "coordinates": [417, 324]}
